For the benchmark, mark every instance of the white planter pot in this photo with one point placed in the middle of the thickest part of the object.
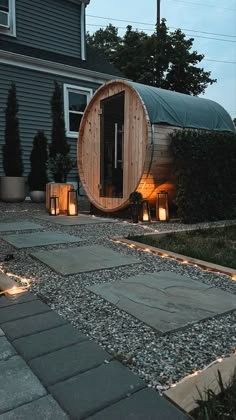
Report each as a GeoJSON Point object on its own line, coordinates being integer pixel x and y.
{"type": "Point", "coordinates": [12, 189]}
{"type": "Point", "coordinates": [38, 196]}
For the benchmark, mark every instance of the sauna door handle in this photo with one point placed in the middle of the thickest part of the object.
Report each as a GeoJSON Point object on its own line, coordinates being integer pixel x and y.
{"type": "Point", "coordinates": [116, 139]}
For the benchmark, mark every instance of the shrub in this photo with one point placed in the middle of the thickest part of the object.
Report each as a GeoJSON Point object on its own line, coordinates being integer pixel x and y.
{"type": "Point", "coordinates": [205, 172]}
{"type": "Point", "coordinates": [38, 175]}
{"type": "Point", "coordinates": [12, 159]}
{"type": "Point", "coordinates": [60, 162]}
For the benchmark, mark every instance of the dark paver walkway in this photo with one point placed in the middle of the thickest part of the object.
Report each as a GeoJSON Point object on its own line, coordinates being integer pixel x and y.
{"type": "Point", "coordinates": [50, 370]}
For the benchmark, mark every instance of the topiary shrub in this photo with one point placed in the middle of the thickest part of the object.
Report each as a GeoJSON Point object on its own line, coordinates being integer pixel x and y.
{"type": "Point", "coordinates": [59, 163]}
{"type": "Point", "coordinates": [12, 157]}
{"type": "Point", "coordinates": [38, 178]}
{"type": "Point", "coordinates": [204, 165]}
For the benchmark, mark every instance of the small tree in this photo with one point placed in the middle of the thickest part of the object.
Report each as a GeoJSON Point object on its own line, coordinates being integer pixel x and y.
{"type": "Point", "coordinates": [60, 162]}
{"type": "Point", "coordinates": [39, 156]}
{"type": "Point", "coordinates": [12, 159]}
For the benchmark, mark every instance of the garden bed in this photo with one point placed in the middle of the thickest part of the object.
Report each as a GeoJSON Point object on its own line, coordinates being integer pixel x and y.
{"type": "Point", "coordinates": [216, 245]}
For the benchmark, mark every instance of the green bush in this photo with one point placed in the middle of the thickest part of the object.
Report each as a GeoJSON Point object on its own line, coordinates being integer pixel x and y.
{"type": "Point", "coordinates": [38, 178]}
{"type": "Point", "coordinates": [205, 173]}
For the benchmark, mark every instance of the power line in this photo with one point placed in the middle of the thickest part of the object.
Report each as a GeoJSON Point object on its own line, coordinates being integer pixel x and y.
{"type": "Point", "coordinates": [220, 61]}
{"type": "Point", "coordinates": [204, 5]}
{"type": "Point", "coordinates": [147, 29]}
{"type": "Point", "coordinates": [151, 24]}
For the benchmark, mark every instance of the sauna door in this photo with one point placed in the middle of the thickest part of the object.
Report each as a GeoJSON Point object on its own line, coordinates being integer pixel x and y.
{"type": "Point", "coordinates": [112, 146]}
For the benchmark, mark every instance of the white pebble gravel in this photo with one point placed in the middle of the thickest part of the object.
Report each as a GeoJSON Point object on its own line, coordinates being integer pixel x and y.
{"type": "Point", "coordinates": [159, 359]}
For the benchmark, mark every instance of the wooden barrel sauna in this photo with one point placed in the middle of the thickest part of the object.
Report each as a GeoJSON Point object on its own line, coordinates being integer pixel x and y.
{"type": "Point", "coordinates": [123, 143]}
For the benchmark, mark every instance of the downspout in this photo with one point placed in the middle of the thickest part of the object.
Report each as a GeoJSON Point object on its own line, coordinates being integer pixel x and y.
{"type": "Point", "coordinates": [83, 35]}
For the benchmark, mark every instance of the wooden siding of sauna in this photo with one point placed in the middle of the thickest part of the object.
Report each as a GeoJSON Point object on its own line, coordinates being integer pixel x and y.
{"type": "Point", "coordinates": [158, 169]}
{"type": "Point", "coordinates": [135, 146]}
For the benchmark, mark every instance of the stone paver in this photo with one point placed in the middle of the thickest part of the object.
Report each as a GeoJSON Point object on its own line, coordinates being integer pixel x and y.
{"type": "Point", "coordinates": [15, 299]}
{"type": "Point", "coordinates": [166, 300]}
{"type": "Point", "coordinates": [6, 349]}
{"type": "Point", "coordinates": [12, 225]}
{"type": "Point", "coordinates": [143, 405]}
{"type": "Point", "coordinates": [27, 240]}
{"type": "Point", "coordinates": [11, 313]}
{"type": "Point", "coordinates": [45, 408]}
{"type": "Point", "coordinates": [47, 341]}
{"type": "Point", "coordinates": [83, 259]}
{"type": "Point", "coordinates": [1, 333]}
{"type": "Point", "coordinates": [62, 364]}
{"type": "Point", "coordinates": [32, 324]}
{"type": "Point", "coordinates": [81, 219]}
{"type": "Point", "coordinates": [91, 391]}
{"type": "Point", "coordinates": [18, 384]}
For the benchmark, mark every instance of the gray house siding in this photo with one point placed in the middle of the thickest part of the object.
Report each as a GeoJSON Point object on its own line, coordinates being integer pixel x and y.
{"type": "Point", "coordinates": [34, 91]}
{"type": "Point", "coordinates": [52, 25]}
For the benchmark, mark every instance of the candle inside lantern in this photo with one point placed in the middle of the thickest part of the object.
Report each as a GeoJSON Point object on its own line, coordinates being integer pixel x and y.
{"type": "Point", "coordinates": [162, 214]}
{"type": "Point", "coordinates": [72, 209]}
{"type": "Point", "coordinates": [54, 206]}
{"type": "Point", "coordinates": [145, 216]}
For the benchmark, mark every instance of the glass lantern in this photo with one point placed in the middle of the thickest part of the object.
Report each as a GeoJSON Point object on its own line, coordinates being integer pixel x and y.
{"type": "Point", "coordinates": [145, 211]}
{"type": "Point", "coordinates": [162, 207]}
{"type": "Point", "coordinates": [72, 203]}
{"type": "Point", "coordinates": [54, 206]}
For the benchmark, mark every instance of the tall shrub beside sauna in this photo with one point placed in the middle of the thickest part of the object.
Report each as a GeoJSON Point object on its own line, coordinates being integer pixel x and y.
{"type": "Point", "coordinates": [13, 184]}
{"type": "Point", "coordinates": [204, 165]}
{"type": "Point", "coordinates": [60, 162]}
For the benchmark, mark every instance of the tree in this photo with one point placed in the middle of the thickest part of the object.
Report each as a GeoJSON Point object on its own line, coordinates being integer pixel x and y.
{"type": "Point", "coordinates": [12, 156]}
{"type": "Point", "coordinates": [38, 175]}
{"type": "Point", "coordinates": [234, 121]}
{"type": "Point", "coordinates": [163, 59]}
{"type": "Point", "coordinates": [59, 142]}
{"type": "Point", "coordinates": [59, 163]}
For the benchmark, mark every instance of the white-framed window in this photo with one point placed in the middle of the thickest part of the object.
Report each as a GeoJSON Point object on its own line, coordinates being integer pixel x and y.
{"type": "Point", "coordinates": [75, 101]}
{"type": "Point", "coordinates": [8, 17]}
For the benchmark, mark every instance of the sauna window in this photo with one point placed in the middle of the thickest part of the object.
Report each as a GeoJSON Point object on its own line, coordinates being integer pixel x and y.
{"type": "Point", "coordinates": [7, 17]}
{"type": "Point", "coordinates": [75, 102]}
{"type": "Point", "coordinates": [112, 146]}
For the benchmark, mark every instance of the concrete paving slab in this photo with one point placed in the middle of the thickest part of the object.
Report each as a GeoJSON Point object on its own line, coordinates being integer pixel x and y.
{"type": "Point", "coordinates": [15, 299]}
{"type": "Point", "coordinates": [11, 313]}
{"type": "Point", "coordinates": [47, 341]}
{"type": "Point", "coordinates": [45, 408]}
{"type": "Point", "coordinates": [165, 300]}
{"type": "Point", "coordinates": [6, 349]}
{"type": "Point", "coordinates": [91, 391]}
{"type": "Point", "coordinates": [62, 364]}
{"type": "Point", "coordinates": [83, 259]}
{"type": "Point", "coordinates": [18, 384]}
{"type": "Point", "coordinates": [32, 325]}
{"type": "Point", "coordinates": [1, 333]}
{"type": "Point", "coordinates": [81, 219]}
{"type": "Point", "coordinates": [27, 240]}
{"type": "Point", "coordinates": [143, 405]}
{"type": "Point", "coordinates": [12, 225]}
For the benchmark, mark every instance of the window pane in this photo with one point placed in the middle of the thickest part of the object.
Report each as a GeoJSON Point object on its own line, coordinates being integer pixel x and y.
{"type": "Point", "coordinates": [4, 5]}
{"type": "Point", "coordinates": [75, 122]}
{"type": "Point", "coordinates": [77, 101]}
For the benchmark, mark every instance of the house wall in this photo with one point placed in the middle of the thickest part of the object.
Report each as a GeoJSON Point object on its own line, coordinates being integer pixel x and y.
{"type": "Point", "coordinates": [52, 25]}
{"type": "Point", "coordinates": [34, 91]}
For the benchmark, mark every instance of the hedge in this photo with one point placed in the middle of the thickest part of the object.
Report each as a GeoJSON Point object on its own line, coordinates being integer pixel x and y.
{"type": "Point", "coordinates": [205, 173]}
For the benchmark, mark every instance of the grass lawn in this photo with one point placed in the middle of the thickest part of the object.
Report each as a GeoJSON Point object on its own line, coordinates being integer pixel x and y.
{"type": "Point", "coordinates": [217, 245]}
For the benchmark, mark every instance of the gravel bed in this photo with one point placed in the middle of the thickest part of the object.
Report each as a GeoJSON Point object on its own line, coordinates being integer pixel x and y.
{"type": "Point", "coordinates": [159, 359]}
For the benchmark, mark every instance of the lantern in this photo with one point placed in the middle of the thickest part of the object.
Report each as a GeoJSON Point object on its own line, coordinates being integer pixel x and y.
{"type": "Point", "coordinates": [145, 211]}
{"type": "Point", "coordinates": [54, 206]}
{"type": "Point", "coordinates": [162, 209]}
{"type": "Point", "coordinates": [72, 203]}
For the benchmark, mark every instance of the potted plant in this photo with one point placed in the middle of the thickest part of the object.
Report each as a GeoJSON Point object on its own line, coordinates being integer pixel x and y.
{"type": "Point", "coordinates": [37, 177]}
{"type": "Point", "coordinates": [135, 200]}
{"type": "Point", "coordinates": [13, 184]}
